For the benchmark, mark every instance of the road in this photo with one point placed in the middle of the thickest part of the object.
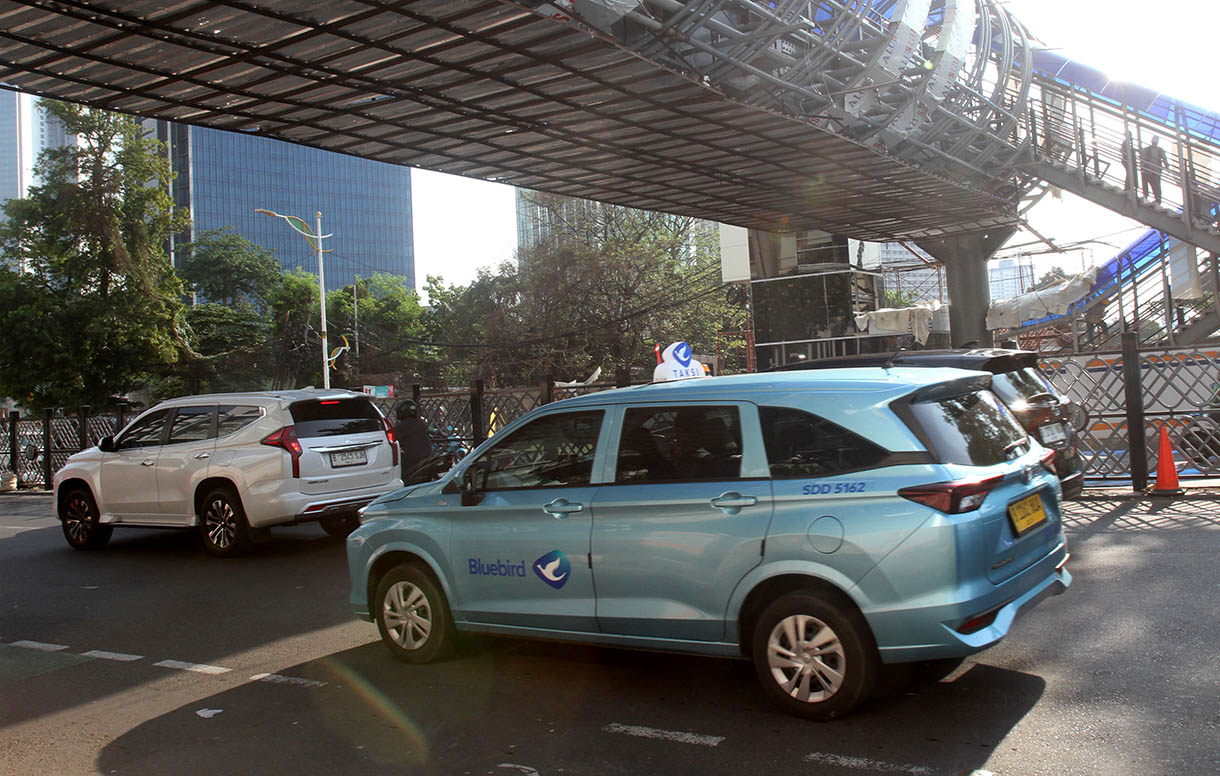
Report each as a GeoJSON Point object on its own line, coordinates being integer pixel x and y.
{"type": "Point", "coordinates": [150, 657]}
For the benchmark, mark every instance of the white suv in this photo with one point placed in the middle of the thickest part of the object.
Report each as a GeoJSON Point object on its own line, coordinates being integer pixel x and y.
{"type": "Point", "coordinates": [232, 465]}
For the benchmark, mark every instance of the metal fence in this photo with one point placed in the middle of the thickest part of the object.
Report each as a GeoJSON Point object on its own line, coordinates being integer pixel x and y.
{"type": "Point", "coordinates": [1130, 395]}
{"type": "Point", "coordinates": [34, 448]}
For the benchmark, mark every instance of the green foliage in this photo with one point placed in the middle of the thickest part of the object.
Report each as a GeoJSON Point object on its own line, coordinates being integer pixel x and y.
{"type": "Point", "coordinates": [91, 307]}
{"type": "Point", "coordinates": [291, 305]}
{"type": "Point", "coordinates": [898, 299]}
{"type": "Point", "coordinates": [389, 326]}
{"type": "Point", "coordinates": [604, 286]}
{"type": "Point", "coordinates": [226, 268]}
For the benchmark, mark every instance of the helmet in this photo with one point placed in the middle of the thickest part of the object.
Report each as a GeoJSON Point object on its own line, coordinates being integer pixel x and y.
{"type": "Point", "coordinates": [407, 408]}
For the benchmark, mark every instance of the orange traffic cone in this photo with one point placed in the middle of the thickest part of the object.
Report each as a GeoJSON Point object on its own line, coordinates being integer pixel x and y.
{"type": "Point", "coordinates": [1166, 472]}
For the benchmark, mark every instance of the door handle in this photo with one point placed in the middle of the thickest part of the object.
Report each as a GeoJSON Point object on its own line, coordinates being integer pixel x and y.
{"type": "Point", "coordinates": [732, 502]}
{"type": "Point", "coordinates": [561, 508]}
{"type": "Point", "coordinates": [147, 462]}
{"type": "Point", "coordinates": [204, 455]}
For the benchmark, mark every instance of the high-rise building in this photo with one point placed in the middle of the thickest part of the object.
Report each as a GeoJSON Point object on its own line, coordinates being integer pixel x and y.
{"type": "Point", "coordinates": [222, 177]}
{"type": "Point", "coordinates": [26, 130]}
{"type": "Point", "coordinates": [1008, 278]}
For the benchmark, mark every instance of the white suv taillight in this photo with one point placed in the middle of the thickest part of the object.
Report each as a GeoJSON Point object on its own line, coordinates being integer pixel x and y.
{"type": "Point", "coordinates": [389, 437]}
{"type": "Point", "coordinates": [952, 497]}
{"type": "Point", "coordinates": [286, 438]}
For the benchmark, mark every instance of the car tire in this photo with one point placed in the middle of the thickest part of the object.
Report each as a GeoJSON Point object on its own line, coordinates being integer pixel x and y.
{"type": "Point", "coordinates": [222, 524]}
{"type": "Point", "coordinates": [340, 526]}
{"type": "Point", "coordinates": [814, 656]}
{"type": "Point", "coordinates": [412, 615]}
{"type": "Point", "coordinates": [79, 516]}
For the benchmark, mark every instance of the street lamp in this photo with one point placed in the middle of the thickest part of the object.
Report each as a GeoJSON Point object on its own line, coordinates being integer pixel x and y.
{"type": "Point", "coordinates": [315, 239]}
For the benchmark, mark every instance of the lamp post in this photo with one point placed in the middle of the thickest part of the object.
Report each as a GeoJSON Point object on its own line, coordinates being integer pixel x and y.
{"type": "Point", "coordinates": [315, 239]}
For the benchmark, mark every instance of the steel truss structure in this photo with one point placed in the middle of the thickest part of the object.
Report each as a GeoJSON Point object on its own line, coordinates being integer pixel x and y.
{"type": "Point", "coordinates": [876, 119]}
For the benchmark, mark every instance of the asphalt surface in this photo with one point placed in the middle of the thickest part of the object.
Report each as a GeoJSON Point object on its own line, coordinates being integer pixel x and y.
{"type": "Point", "coordinates": [151, 657]}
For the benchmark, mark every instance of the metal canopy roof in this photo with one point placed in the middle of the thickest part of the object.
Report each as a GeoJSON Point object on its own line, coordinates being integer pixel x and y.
{"type": "Point", "coordinates": [483, 89]}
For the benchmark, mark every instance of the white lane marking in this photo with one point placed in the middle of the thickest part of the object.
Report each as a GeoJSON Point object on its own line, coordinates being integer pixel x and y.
{"type": "Point", "coordinates": [864, 763]}
{"type": "Point", "coordinates": [39, 645]}
{"type": "Point", "coordinates": [102, 654]}
{"type": "Point", "coordinates": [208, 713]}
{"type": "Point", "coordinates": [293, 680]}
{"type": "Point", "coordinates": [526, 770]}
{"type": "Point", "coordinates": [198, 668]}
{"type": "Point", "coordinates": [663, 735]}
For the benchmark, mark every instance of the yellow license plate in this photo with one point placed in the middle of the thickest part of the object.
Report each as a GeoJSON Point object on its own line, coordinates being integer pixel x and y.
{"type": "Point", "coordinates": [1026, 514]}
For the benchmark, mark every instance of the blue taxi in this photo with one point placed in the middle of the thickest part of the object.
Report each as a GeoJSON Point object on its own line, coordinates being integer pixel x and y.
{"type": "Point", "coordinates": [819, 524]}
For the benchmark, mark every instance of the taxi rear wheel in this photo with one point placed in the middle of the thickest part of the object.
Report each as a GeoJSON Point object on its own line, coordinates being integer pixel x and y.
{"type": "Point", "coordinates": [815, 657]}
{"type": "Point", "coordinates": [412, 615]}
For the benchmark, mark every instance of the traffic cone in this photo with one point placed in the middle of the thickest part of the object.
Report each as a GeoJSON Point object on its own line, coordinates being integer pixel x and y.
{"type": "Point", "coordinates": [1166, 472]}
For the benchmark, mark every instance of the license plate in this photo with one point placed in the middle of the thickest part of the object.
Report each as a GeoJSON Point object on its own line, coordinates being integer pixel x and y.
{"type": "Point", "coordinates": [1052, 434]}
{"type": "Point", "coordinates": [349, 458]}
{"type": "Point", "coordinates": [1026, 514]}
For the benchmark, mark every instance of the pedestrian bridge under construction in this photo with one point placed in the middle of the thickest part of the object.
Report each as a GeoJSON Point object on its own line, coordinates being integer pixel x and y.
{"type": "Point", "coordinates": [937, 121]}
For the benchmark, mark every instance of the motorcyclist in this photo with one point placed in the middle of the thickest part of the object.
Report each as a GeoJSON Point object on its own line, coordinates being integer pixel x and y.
{"type": "Point", "coordinates": [411, 431]}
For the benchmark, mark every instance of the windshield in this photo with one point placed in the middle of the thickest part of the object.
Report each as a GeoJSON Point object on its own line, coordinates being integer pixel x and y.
{"type": "Point", "coordinates": [1022, 386]}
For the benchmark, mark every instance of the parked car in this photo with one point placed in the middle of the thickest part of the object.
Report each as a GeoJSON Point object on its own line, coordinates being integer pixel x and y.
{"type": "Point", "coordinates": [1051, 418]}
{"type": "Point", "coordinates": [232, 465]}
{"type": "Point", "coordinates": [818, 523]}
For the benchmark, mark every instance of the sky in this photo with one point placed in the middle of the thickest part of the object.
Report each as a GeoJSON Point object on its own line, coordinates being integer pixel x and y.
{"type": "Point", "coordinates": [1168, 45]}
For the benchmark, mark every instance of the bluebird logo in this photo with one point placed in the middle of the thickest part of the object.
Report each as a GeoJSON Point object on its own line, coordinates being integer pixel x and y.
{"type": "Point", "coordinates": [683, 353]}
{"type": "Point", "coordinates": [554, 568]}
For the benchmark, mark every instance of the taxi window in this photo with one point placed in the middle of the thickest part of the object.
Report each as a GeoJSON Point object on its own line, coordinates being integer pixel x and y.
{"type": "Point", "coordinates": [552, 451]}
{"type": "Point", "coordinates": [679, 443]}
{"type": "Point", "coordinates": [1025, 385]}
{"type": "Point", "coordinates": [191, 424]}
{"type": "Point", "coordinates": [974, 429]}
{"type": "Point", "coordinates": [800, 444]}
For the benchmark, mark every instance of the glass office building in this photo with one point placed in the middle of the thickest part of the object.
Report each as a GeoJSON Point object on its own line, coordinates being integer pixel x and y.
{"type": "Point", "coordinates": [366, 205]}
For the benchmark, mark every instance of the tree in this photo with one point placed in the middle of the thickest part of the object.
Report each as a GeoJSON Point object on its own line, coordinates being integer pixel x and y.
{"type": "Point", "coordinates": [389, 325]}
{"type": "Point", "coordinates": [1049, 278]}
{"type": "Point", "coordinates": [91, 307]}
{"type": "Point", "coordinates": [226, 268]}
{"type": "Point", "coordinates": [900, 298]}
{"type": "Point", "coordinates": [602, 286]}
{"type": "Point", "coordinates": [292, 305]}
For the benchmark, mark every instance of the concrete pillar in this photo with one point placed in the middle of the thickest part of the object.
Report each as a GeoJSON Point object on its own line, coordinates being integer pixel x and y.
{"type": "Point", "coordinates": [965, 259]}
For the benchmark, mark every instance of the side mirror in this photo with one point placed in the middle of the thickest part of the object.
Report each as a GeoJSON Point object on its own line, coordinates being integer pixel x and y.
{"type": "Point", "coordinates": [106, 444]}
{"type": "Point", "coordinates": [473, 480]}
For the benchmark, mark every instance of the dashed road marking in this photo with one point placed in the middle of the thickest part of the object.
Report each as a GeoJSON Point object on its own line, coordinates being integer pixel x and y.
{"type": "Point", "coordinates": [280, 679]}
{"type": "Point", "coordinates": [865, 763]}
{"type": "Point", "coordinates": [39, 645]}
{"type": "Point", "coordinates": [663, 735]}
{"type": "Point", "coordinates": [119, 656]}
{"type": "Point", "coordinates": [199, 668]}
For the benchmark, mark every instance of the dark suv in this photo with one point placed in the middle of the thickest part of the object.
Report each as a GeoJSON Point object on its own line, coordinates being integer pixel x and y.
{"type": "Point", "coordinates": [1050, 418]}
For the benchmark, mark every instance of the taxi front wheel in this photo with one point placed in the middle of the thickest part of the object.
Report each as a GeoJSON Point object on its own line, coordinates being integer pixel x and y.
{"type": "Point", "coordinates": [815, 657]}
{"type": "Point", "coordinates": [412, 615]}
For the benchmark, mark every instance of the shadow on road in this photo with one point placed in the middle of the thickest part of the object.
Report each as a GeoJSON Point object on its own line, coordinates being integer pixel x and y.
{"type": "Point", "coordinates": [155, 593]}
{"type": "Point", "coordinates": [547, 706]}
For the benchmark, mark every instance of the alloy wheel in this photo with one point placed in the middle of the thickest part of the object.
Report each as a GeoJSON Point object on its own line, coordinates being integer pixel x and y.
{"type": "Point", "coordinates": [806, 658]}
{"type": "Point", "coordinates": [407, 615]}
{"type": "Point", "coordinates": [77, 520]}
{"type": "Point", "coordinates": [221, 524]}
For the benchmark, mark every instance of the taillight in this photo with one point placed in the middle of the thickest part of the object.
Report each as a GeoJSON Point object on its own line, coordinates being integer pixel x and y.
{"type": "Point", "coordinates": [389, 437]}
{"type": "Point", "coordinates": [286, 438]}
{"type": "Point", "coordinates": [952, 497]}
{"type": "Point", "coordinates": [1048, 462]}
